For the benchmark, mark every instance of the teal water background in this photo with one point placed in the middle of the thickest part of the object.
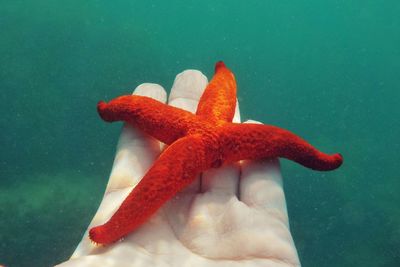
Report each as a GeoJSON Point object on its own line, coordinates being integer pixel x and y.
{"type": "Point", "coordinates": [327, 70]}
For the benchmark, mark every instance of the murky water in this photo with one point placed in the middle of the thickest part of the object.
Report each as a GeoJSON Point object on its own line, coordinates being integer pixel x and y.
{"type": "Point", "coordinates": [327, 70]}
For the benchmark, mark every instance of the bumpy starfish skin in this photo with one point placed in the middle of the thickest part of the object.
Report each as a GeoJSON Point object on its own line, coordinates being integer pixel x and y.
{"type": "Point", "coordinates": [197, 143]}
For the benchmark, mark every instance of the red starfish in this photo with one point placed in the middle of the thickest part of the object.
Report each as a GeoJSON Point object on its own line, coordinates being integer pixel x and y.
{"type": "Point", "coordinates": [197, 142]}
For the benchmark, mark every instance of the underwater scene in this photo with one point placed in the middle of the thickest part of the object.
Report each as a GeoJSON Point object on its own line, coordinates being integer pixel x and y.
{"type": "Point", "coordinates": [328, 71]}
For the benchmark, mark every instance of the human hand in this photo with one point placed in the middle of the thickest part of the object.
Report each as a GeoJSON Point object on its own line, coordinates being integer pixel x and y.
{"type": "Point", "coordinates": [232, 216]}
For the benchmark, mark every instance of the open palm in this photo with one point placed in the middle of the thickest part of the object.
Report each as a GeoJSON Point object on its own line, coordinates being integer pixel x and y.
{"type": "Point", "coordinates": [232, 216]}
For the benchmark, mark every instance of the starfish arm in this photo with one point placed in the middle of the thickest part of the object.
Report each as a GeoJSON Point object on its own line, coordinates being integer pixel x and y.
{"type": "Point", "coordinates": [165, 123]}
{"type": "Point", "coordinates": [176, 167]}
{"type": "Point", "coordinates": [256, 141]}
{"type": "Point", "coordinates": [219, 98]}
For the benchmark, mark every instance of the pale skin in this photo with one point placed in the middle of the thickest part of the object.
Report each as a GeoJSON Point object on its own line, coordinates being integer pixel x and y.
{"type": "Point", "coordinates": [232, 216]}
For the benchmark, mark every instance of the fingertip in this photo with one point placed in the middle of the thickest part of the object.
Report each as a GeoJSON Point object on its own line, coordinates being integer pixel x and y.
{"type": "Point", "coordinates": [253, 121]}
{"type": "Point", "coordinates": [151, 90]}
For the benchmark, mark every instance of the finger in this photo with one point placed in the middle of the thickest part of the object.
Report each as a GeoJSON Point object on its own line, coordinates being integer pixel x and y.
{"type": "Point", "coordinates": [261, 187]}
{"type": "Point", "coordinates": [223, 181]}
{"type": "Point", "coordinates": [185, 93]}
{"type": "Point", "coordinates": [136, 151]}
{"type": "Point", "coordinates": [187, 89]}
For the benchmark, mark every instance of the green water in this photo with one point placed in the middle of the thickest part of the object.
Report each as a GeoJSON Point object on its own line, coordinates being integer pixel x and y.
{"type": "Point", "coordinates": [327, 70]}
